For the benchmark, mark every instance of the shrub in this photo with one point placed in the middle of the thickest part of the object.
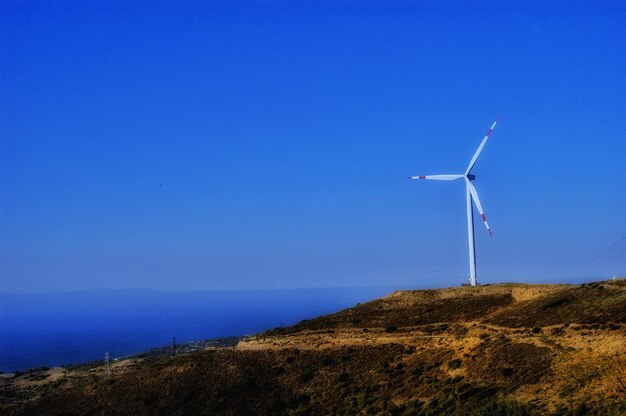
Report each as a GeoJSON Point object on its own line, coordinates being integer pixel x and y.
{"type": "Point", "coordinates": [277, 370]}
{"type": "Point", "coordinates": [307, 376]}
{"type": "Point", "coordinates": [419, 370]}
{"type": "Point", "coordinates": [391, 328]}
{"type": "Point", "coordinates": [504, 407]}
{"type": "Point", "coordinates": [299, 400]}
{"type": "Point", "coordinates": [326, 361]}
{"type": "Point", "coordinates": [579, 410]}
{"type": "Point", "coordinates": [454, 364]}
{"type": "Point", "coordinates": [277, 406]}
{"type": "Point", "coordinates": [457, 379]}
{"type": "Point", "coordinates": [557, 331]}
{"type": "Point", "coordinates": [343, 377]}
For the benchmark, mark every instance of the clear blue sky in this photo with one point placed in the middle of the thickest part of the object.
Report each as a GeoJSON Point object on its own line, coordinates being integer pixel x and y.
{"type": "Point", "coordinates": [202, 145]}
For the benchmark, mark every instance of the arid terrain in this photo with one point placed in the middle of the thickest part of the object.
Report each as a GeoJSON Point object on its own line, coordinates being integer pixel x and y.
{"type": "Point", "coordinates": [506, 349]}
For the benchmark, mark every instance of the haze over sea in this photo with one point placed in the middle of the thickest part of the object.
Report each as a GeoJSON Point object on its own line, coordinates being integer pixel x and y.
{"type": "Point", "coordinates": [53, 329]}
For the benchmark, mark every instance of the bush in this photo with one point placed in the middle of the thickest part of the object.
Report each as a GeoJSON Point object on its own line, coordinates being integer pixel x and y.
{"type": "Point", "coordinates": [579, 410]}
{"type": "Point", "coordinates": [277, 370]}
{"type": "Point", "coordinates": [307, 376]}
{"type": "Point", "coordinates": [454, 364]}
{"type": "Point", "coordinates": [343, 377]}
{"type": "Point", "coordinates": [457, 379]}
{"type": "Point", "coordinates": [504, 407]}
{"type": "Point", "coordinates": [278, 406]}
{"type": "Point", "coordinates": [391, 328]}
{"type": "Point", "coordinates": [326, 361]}
{"type": "Point", "coordinates": [298, 400]}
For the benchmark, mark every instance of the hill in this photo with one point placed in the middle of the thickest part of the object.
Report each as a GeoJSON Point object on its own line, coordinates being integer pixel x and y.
{"type": "Point", "coordinates": [511, 349]}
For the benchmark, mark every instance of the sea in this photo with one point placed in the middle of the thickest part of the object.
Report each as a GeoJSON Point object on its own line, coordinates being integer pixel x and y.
{"type": "Point", "coordinates": [54, 329]}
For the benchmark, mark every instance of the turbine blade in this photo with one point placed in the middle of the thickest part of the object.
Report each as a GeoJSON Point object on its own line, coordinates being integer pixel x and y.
{"type": "Point", "coordinates": [437, 177]}
{"type": "Point", "coordinates": [477, 202]}
{"type": "Point", "coordinates": [480, 148]}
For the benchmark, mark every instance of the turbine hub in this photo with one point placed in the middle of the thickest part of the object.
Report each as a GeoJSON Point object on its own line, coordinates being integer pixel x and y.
{"type": "Point", "coordinates": [471, 177]}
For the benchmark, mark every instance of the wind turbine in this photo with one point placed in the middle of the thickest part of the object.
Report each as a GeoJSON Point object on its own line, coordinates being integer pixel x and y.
{"type": "Point", "coordinates": [471, 194]}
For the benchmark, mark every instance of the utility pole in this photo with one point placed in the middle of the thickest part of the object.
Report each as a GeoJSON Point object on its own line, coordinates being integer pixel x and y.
{"type": "Point", "coordinates": [107, 364]}
{"type": "Point", "coordinates": [173, 346]}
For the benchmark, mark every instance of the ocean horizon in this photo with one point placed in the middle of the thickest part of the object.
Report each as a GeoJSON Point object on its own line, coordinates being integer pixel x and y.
{"type": "Point", "coordinates": [63, 328]}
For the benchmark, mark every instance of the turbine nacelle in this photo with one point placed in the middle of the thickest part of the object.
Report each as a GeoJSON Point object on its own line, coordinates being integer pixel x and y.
{"type": "Point", "coordinates": [471, 177]}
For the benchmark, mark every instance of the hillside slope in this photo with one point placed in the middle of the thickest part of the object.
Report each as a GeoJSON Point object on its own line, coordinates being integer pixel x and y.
{"type": "Point", "coordinates": [500, 349]}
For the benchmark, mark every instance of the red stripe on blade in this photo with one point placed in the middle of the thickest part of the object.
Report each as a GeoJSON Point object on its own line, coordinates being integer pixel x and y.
{"type": "Point", "coordinates": [422, 177]}
{"type": "Point", "coordinates": [483, 215]}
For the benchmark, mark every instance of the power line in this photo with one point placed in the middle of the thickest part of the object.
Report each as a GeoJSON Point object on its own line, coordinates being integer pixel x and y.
{"type": "Point", "coordinates": [597, 256]}
{"type": "Point", "coordinates": [617, 257]}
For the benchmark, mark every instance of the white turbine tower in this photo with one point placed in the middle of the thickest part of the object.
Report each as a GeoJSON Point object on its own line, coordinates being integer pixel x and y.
{"type": "Point", "coordinates": [471, 194]}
